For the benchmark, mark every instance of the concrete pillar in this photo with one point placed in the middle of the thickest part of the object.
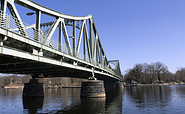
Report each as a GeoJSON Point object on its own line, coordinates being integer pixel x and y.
{"type": "Point", "coordinates": [33, 89]}
{"type": "Point", "coordinates": [92, 89]}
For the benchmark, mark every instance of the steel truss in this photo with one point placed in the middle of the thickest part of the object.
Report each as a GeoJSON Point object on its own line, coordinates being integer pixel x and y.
{"type": "Point", "coordinates": [88, 40]}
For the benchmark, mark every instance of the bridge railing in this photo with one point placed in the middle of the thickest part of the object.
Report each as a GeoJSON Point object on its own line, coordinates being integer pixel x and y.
{"type": "Point", "coordinates": [11, 23]}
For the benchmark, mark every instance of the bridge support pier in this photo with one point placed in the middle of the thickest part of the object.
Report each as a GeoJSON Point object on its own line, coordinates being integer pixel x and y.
{"type": "Point", "coordinates": [33, 89]}
{"type": "Point", "coordinates": [92, 89]}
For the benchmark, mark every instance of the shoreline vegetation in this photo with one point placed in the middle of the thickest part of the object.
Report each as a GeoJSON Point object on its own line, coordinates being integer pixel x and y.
{"type": "Point", "coordinates": [164, 84]}
{"type": "Point", "coordinates": [14, 81]}
{"type": "Point", "coordinates": [16, 86]}
{"type": "Point", "coordinates": [153, 74]}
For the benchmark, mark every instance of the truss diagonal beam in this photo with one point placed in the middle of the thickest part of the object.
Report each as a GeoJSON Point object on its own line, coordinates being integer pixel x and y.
{"type": "Point", "coordinates": [88, 43]}
{"type": "Point", "coordinates": [17, 19]}
{"type": "Point", "coordinates": [80, 37]}
{"type": "Point", "coordinates": [51, 31]}
{"type": "Point", "coordinates": [66, 37]}
{"type": "Point", "coordinates": [95, 47]}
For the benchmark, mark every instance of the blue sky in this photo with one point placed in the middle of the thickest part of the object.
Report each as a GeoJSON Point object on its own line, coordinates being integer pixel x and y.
{"type": "Point", "coordinates": [134, 31]}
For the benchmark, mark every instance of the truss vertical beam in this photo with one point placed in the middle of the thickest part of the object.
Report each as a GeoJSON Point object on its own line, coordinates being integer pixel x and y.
{"type": "Point", "coordinates": [37, 25]}
{"type": "Point", "coordinates": [103, 62]}
{"type": "Point", "coordinates": [60, 37]}
{"type": "Point", "coordinates": [74, 38]}
{"type": "Point", "coordinates": [84, 46]}
{"type": "Point", "coordinates": [91, 35]}
{"type": "Point", "coordinates": [100, 56]}
{"type": "Point", "coordinates": [97, 54]}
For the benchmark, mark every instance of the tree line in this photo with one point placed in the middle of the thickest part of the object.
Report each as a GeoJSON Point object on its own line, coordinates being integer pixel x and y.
{"type": "Point", "coordinates": [15, 80]}
{"type": "Point", "coordinates": [153, 73]}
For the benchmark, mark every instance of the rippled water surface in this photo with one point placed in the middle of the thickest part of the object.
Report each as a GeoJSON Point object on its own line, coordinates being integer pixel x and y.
{"type": "Point", "coordinates": [134, 100]}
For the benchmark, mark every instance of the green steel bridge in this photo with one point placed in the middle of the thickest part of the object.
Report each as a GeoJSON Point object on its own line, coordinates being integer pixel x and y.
{"type": "Point", "coordinates": [67, 46]}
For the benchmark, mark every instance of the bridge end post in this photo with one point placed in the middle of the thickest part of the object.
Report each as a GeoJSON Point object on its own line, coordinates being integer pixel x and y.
{"type": "Point", "coordinates": [33, 89]}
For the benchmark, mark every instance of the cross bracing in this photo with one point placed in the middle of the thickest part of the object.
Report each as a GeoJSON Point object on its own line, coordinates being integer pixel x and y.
{"type": "Point", "coordinates": [81, 48]}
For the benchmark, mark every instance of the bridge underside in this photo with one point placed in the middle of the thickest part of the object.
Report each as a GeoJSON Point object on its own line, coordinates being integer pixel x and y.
{"type": "Point", "coordinates": [16, 65]}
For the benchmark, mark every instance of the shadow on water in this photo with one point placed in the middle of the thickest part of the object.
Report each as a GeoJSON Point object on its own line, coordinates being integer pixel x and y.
{"type": "Point", "coordinates": [112, 103]}
{"type": "Point", "coordinates": [32, 105]}
{"type": "Point", "coordinates": [93, 105]}
{"type": "Point", "coordinates": [114, 100]}
{"type": "Point", "coordinates": [68, 101]}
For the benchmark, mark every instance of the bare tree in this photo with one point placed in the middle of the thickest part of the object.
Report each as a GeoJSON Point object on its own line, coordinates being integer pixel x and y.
{"type": "Point", "coordinates": [149, 73]}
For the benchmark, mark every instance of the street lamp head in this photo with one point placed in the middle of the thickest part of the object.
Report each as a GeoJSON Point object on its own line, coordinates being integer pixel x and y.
{"type": "Point", "coordinates": [30, 13]}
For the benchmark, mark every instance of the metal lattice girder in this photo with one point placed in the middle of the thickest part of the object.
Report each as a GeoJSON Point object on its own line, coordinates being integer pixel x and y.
{"type": "Point", "coordinates": [91, 44]}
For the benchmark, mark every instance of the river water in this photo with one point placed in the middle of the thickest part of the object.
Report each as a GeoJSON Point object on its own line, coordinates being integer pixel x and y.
{"type": "Point", "coordinates": [133, 100]}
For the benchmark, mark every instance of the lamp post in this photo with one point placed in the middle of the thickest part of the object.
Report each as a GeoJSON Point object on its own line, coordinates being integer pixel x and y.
{"type": "Point", "coordinates": [37, 25]}
{"type": "Point", "coordinates": [30, 13]}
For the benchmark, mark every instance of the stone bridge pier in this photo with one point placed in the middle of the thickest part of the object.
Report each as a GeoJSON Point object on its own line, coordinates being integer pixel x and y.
{"type": "Point", "coordinates": [97, 88]}
{"type": "Point", "coordinates": [33, 88]}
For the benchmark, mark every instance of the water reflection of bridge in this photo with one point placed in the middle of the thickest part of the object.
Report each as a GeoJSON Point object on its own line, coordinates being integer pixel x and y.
{"type": "Point", "coordinates": [69, 101]}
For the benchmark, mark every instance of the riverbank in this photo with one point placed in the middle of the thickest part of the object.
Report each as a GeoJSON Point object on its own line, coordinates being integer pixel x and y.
{"type": "Point", "coordinates": [13, 87]}
{"type": "Point", "coordinates": [157, 84]}
{"type": "Point", "coordinates": [47, 87]}
{"type": "Point", "coordinates": [57, 82]}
